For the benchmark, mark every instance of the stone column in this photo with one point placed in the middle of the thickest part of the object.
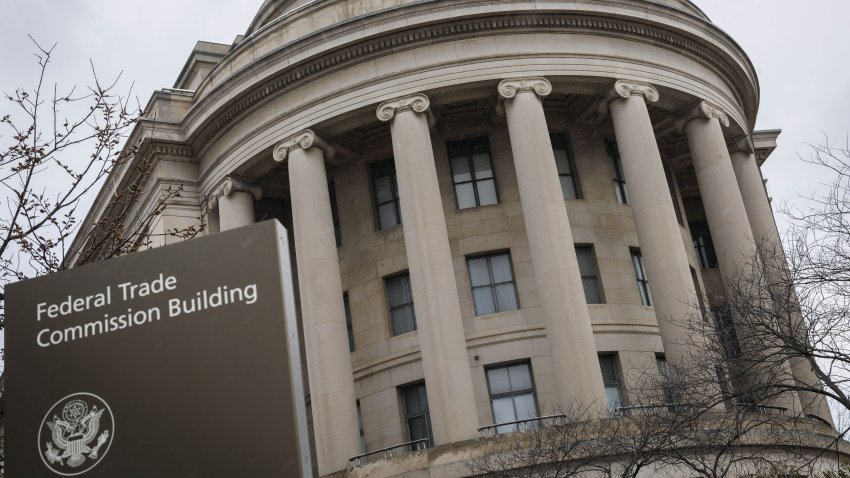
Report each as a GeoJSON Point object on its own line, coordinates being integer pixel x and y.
{"type": "Point", "coordinates": [769, 244]}
{"type": "Point", "coordinates": [658, 230]}
{"type": "Point", "coordinates": [568, 328]}
{"type": "Point", "coordinates": [235, 199]}
{"type": "Point", "coordinates": [332, 395]}
{"type": "Point", "coordinates": [727, 220]}
{"type": "Point", "coordinates": [440, 329]}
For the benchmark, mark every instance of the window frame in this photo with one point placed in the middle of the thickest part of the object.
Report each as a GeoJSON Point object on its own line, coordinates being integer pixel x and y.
{"type": "Point", "coordinates": [618, 377]}
{"type": "Point", "coordinates": [641, 278]}
{"type": "Point", "coordinates": [468, 147]}
{"type": "Point", "coordinates": [375, 173]}
{"type": "Point", "coordinates": [335, 212]}
{"type": "Point", "coordinates": [620, 188]}
{"type": "Point", "coordinates": [703, 245]}
{"type": "Point", "coordinates": [404, 275]}
{"type": "Point", "coordinates": [512, 393]}
{"type": "Point", "coordinates": [597, 277]}
{"type": "Point", "coordinates": [567, 145]}
{"type": "Point", "coordinates": [349, 323]}
{"type": "Point", "coordinates": [407, 416]}
{"type": "Point", "coordinates": [492, 285]}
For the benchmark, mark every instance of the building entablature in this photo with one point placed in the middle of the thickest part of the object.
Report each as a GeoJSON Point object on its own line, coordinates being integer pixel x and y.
{"type": "Point", "coordinates": [322, 39]}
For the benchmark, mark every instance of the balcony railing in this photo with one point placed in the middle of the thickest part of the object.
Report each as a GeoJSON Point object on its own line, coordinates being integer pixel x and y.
{"type": "Point", "coordinates": [489, 431]}
{"type": "Point", "coordinates": [765, 409]}
{"type": "Point", "coordinates": [388, 452]}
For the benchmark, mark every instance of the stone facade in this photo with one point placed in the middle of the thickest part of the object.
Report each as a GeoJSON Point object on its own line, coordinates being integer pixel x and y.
{"type": "Point", "coordinates": [290, 121]}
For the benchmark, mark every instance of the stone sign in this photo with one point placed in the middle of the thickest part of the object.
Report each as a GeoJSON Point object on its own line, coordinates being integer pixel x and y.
{"type": "Point", "coordinates": [175, 362]}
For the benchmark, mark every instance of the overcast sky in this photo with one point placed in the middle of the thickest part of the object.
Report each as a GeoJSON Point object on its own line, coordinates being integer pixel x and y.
{"type": "Point", "coordinates": [800, 51]}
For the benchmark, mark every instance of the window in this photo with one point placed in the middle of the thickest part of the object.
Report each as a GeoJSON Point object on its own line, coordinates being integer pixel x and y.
{"type": "Point", "coordinates": [335, 213]}
{"type": "Point", "coordinates": [362, 435]}
{"type": "Point", "coordinates": [566, 165]}
{"type": "Point", "coordinates": [416, 415]}
{"type": "Point", "coordinates": [472, 172]}
{"type": "Point", "coordinates": [385, 190]}
{"type": "Point", "coordinates": [619, 179]}
{"type": "Point", "coordinates": [666, 382]}
{"type": "Point", "coordinates": [348, 323]}
{"type": "Point", "coordinates": [402, 317]}
{"type": "Point", "coordinates": [608, 364]}
{"type": "Point", "coordinates": [703, 245]}
{"type": "Point", "coordinates": [726, 333]}
{"type": "Point", "coordinates": [492, 280]}
{"type": "Point", "coordinates": [642, 280]}
{"type": "Point", "coordinates": [668, 173]}
{"type": "Point", "coordinates": [589, 275]}
{"type": "Point", "coordinates": [511, 395]}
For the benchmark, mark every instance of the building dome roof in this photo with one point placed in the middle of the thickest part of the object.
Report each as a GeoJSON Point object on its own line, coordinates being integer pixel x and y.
{"type": "Point", "coordinates": [272, 9]}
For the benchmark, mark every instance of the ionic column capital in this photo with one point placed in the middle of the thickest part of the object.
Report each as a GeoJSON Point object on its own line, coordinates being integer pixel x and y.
{"type": "Point", "coordinates": [628, 88]}
{"type": "Point", "coordinates": [305, 139]}
{"type": "Point", "coordinates": [539, 86]}
{"type": "Point", "coordinates": [740, 144]}
{"type": "Point", "coordinates": [704, 110]}
{"type": "Point", "coordinates": [230, 185]}
{"type": "Point", "coordinates": [418, 103]}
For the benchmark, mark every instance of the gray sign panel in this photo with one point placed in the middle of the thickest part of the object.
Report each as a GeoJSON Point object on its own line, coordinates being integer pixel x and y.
{"type": "Point", "coordinates": [181, 361]}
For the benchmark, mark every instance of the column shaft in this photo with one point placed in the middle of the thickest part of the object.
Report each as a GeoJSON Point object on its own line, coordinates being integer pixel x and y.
{"type": "Point", "coordinates": [664, 255]}
{"type": "Point", "coordinates": [568, 328]}
{"type": "Point", "coordinates": [768, 242]}
{"type": "Point", "coordinates": [332, 396]}
{"type": "Point", "coordinates": [235, 210]}
{"type": "Point", "coordinates": [733, 240]}
{"type": "Point", "coordinates": [445, 360]}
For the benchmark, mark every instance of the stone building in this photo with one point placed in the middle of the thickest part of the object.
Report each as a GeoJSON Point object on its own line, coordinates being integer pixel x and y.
{"type": "Point", "coordinates": [494, 205]}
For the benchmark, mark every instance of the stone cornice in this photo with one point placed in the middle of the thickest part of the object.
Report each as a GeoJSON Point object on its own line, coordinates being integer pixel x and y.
{"type": "Point", "coordinates": [305, 139]}
{"type": "Point", "coordinates": [373, 47]}
{"type": "Point", "coordinates": [704, 110]}
{"type": "Point", "coordinates": [509, 88]}
{"type": "Point", "coordinates": [740, 144]}
{"type": "Point", "coordinates": [418, 103]}
{"type": "Point", "coordinates": [230, 185]}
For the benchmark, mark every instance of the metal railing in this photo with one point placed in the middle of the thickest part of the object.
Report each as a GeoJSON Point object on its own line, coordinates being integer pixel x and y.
{"type": "Point", "coordinates": [489, 431]}
{"type": "Point", "coordinates": [757, 408]}
{"type": "Point", "coordinates": [415, 445]}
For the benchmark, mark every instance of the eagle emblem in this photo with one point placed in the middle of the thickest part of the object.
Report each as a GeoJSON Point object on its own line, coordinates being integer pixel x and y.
{"type": "Point", "coordinates": [77, 429]}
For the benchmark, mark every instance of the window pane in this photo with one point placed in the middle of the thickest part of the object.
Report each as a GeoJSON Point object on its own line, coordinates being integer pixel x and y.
{"type": "Point", "coordinates": [417, 427]}
{"type": "Point", "coordinates": [568, 188]}
{"type": "Point", "coordinates": [478, 272]}
{"type": "Point", "coordinates": [498, 380]}
{"type": "Point", "coordinates": [613, 394]}
{"type": "Point", "coordinates": [525, 406]}
{"type": "Point", "coordinates": [465, 195]}
{"type": "Point", "coordinates": [591, 290]}
{"type": "Point", "coordinates": [520, 376]}
{"type": "Point", "coordinates": [383, 189]}
{"type": "Point", "coordinates": [460, 169]}
{"type": "Point", "coordinates": [585, 261]}
{"type": "Point", "coordinates": [481, 162]}
{"type": "Point", "coordinates": [403, 321]}
{"type": "Point", "coordinates": [501, 265]}
{"type": "Point", "coordinates": [486, 192]}
{"type": "Point", "coordinates": [483, 299]}
{"type": "Point", "coordinates": [609, 374]}
{"type": "Point", "coordinates": [398, 291]}
{"type": "Point", "coordinates": [562, 161]}
{"type": "Point", "coordinates": [387, 215]}
{"type": "Point", "coordinates": [638, 267]}
{"type": "Point", "coordinates": [506, 297]}
{"type": "Point", "coordinates": [503, 410]}
{"type": "Point", "coordinates": [647, 294]}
